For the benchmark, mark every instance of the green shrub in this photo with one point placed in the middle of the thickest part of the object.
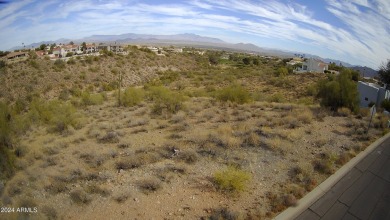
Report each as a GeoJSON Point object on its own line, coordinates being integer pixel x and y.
{"type": "Point", "coordinates": [386, 105]}
{"type": "Point", "coordinates": [5, 125]}
{"type": "Point", "coordinates": [59, 64]}
{"type": "Point", "coordinates": [166, 99]}
{"type": "Point", "coordinates": [132, 96]}
{"type": "Point", "coordinates": [57, 114]}
{"type": "Point", "coordinates": [340, 91]}
{"type": "Point", "coordinates": [6, 157]}
{"type": "Point", "coordinates": [91, 99]}
{"type": "Point", "coordinates": [231, 179]}
{"type": "Point", "coordinates": [234, 93]}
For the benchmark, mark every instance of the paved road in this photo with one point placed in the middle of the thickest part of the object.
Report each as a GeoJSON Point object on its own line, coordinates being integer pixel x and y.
{"type": "Point", "coordinates": [363, 193]}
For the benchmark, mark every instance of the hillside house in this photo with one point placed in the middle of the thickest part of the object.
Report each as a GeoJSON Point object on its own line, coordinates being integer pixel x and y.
{"type": "Point", "coordinates": [59, 52]}
{"type": "Point", "coordinates": [113, 48]}
{"type": "Point", "coordinates": [372, 93]}
{"type": "Point", "coordinates": [16, 55]}
{"type": "Point", "coordinates": [313, 65]}
{"type": "Point", "coordinates": [91, 48]}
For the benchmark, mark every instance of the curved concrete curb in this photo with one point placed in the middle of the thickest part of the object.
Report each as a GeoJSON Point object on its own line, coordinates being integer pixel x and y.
{"type": "Point", "coordinates": [314, 195]}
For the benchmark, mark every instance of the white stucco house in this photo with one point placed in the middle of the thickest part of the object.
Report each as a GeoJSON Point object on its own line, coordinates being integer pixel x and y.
{"type": "Point", "coordinates": [312, 65]}
{"type": "Point", "coordinates": [372, 93]}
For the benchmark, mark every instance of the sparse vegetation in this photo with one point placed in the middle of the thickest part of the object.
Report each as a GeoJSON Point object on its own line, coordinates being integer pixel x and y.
{"type": "Point", "coordinates": [231, 179]}
{"type": "Point", "coordinates": [234, 93]}
{"type": "Point", "coordinates": [132, 96]}
{"type": "Point", "coordinates": [185, 130]}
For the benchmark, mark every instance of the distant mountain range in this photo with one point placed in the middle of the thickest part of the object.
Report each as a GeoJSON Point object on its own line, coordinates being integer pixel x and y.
{"type": "Point", "coordinates": [365, 71]}
{"type": "Point", "coordinates": [181, 40]}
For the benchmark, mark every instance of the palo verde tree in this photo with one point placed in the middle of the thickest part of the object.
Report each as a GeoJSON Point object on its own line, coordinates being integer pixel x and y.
{"type": "Point", "coordinates": [384, 72]}
{"type": "Point", "coordinates": [339, 91]}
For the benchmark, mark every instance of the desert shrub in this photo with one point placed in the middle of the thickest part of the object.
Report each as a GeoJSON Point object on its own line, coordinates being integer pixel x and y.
{"type": "Point", "coordinates": [121, 197]}
{"type": "Point", "coordinates": [223, 214]}
{"type": "Point", "coordinates": [59, 64]}
{"type": "Point", "coordinates": [71, 61]}
{"type": "Point", "coordinates": [110, 137]}
{"type": "Point", "coordinates": [231, 179]}
{"type": "Point", "coordinates": [386, 105]}
{"type": "Point", "coordinates": [344, 112]}
{"type": "Point", "coordinates": [56, 187]}
{"type": "Point", "coordinates": [34, 64]}
{"type": "Point", "coordinates": [277, 97]}
{"type": "Point", "coordinates": [6, 157]}
{"type": "Point", "coordinates": [149, 185]}
{"type": "Point", "coordinates": [304, 115]}
{"type": "Point", "coordinates": [234, 93]}
{"type": "Point", "coordinates": [323, 166]}
{"type": "Point", "coordinates": [340, 91]}
{"type": "Point", "coordinates": [50, 212]}
{"type": "Point", "coordinates": [96, 189]}
{"type": "Point", "coordinates": [91, 99]}
{"type": "Point", "coordinates": [165, 99]}
{"type": "Point", "coordinates": [79, 196]}
{"type": "Point", "coordinates": [5, 126]}
{"type": "Point", "coordinates": [132, 96]}
{"type": "Point", "coordinates": [188, 156]}
{"type": "Point", "coordinates": [57, 114]}
{"type": "Point", "coordinates": [20, 150]}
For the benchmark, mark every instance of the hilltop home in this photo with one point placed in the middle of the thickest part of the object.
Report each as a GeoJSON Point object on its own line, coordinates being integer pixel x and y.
{"type": "Point", "coordinates": [313, 65]}
{"type": "Point", "coordinates": [113, 48]}
{"type": "Point", "coordinates": [59, 52]}
{"type": "Point", "coordinates": [14, 55]}
{"type": "Point", "coordinates": [372, 93]}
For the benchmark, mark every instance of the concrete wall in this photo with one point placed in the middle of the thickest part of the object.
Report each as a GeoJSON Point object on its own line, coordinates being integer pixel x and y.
{"type": "Point", "coordinates": [368, 93]}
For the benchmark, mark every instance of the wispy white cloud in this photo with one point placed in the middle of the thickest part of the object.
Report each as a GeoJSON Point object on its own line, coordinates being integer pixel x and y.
{"type": "Point", "coordinates": [362, 38]}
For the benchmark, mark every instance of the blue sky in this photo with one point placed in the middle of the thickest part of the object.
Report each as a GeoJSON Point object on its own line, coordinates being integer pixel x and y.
{"type": "Point", "coordinates": [355, 31]}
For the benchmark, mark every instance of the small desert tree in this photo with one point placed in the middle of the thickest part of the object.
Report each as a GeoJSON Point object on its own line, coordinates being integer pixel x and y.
{"type": "Point", "coordinates": [384, 72]}
{"type": "Point", "coordinates": [339, 91]}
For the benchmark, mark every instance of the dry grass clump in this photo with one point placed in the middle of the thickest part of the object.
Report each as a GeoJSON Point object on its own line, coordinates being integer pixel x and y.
{"type": "Point", "coordinates": [251, 139]}
{"type": "Point", "coordinates": [280, 202]}
{"type": "Point", "coordinates": [224, 137]}
{"type": "Point", "coordinates": [16, 186]}
{"type": "Point", "coordinates": [110, 137]}
{"type": "Point", "coordinates": [93, 160]}
{"type": "Point", "coordinates": [344, 112]}
{"type": "Point", "coordinates": [178, 117]}
{"type": "Point", "coordinates": [50, 212]}
{"type": "Point", "coordinates": [273, 144]}
{"type": "Point", "coordinates": [231, 179]}
{"type": "Point", "coordinates": [94, 188]}
{"type": "Point", "coordinates": [79, 196]}
{"type": "Point", "coordinates": [149, 185]}
{"type": "Point", "coordinates": [138, 122]}
{"type": "Point", "coordinates": [121, 196]}
{"type": "Point", "coordinates": [223, 214]}
{"type": "Point", "coordinates": [56, 187]}
{"type": "Point", "coordinates": [324, 164]}
{"type": "Point", "coordinates": [344, 157]}
{"type": "Point", "coordinates": [302, 177]}
{"type": "Point", "coordinates": [138, 159]}
{"type": "Point", "coordinates": [304, 115]}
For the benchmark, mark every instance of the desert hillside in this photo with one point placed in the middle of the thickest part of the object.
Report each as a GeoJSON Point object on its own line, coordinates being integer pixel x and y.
{"type": "Point", "coordinates": [181, 136]}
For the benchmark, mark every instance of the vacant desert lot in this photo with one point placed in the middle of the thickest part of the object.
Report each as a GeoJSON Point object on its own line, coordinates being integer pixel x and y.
{"type": "Point", "coordinates": [126, 164]}
{"type": "Point", "coordinates": [190, 140]}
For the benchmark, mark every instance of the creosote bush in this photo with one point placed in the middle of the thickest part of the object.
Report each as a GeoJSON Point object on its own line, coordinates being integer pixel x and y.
{"type": "Point", "coordinates": [91, 99]}
{"type": "Point", "coordinates": [231, 179]}
{"type": "Point", "coordinates": [165, 99]}
{"type": "Point", "coordinates": [234, 93]}
{"type": "Point", "coordinates": [132, 96]}
{"type": "Point", "coordinates": [57, 114]}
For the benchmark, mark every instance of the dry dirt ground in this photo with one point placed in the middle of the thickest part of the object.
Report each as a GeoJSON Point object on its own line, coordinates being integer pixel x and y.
{"type": "Point", "coordinates": [128, 164]}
